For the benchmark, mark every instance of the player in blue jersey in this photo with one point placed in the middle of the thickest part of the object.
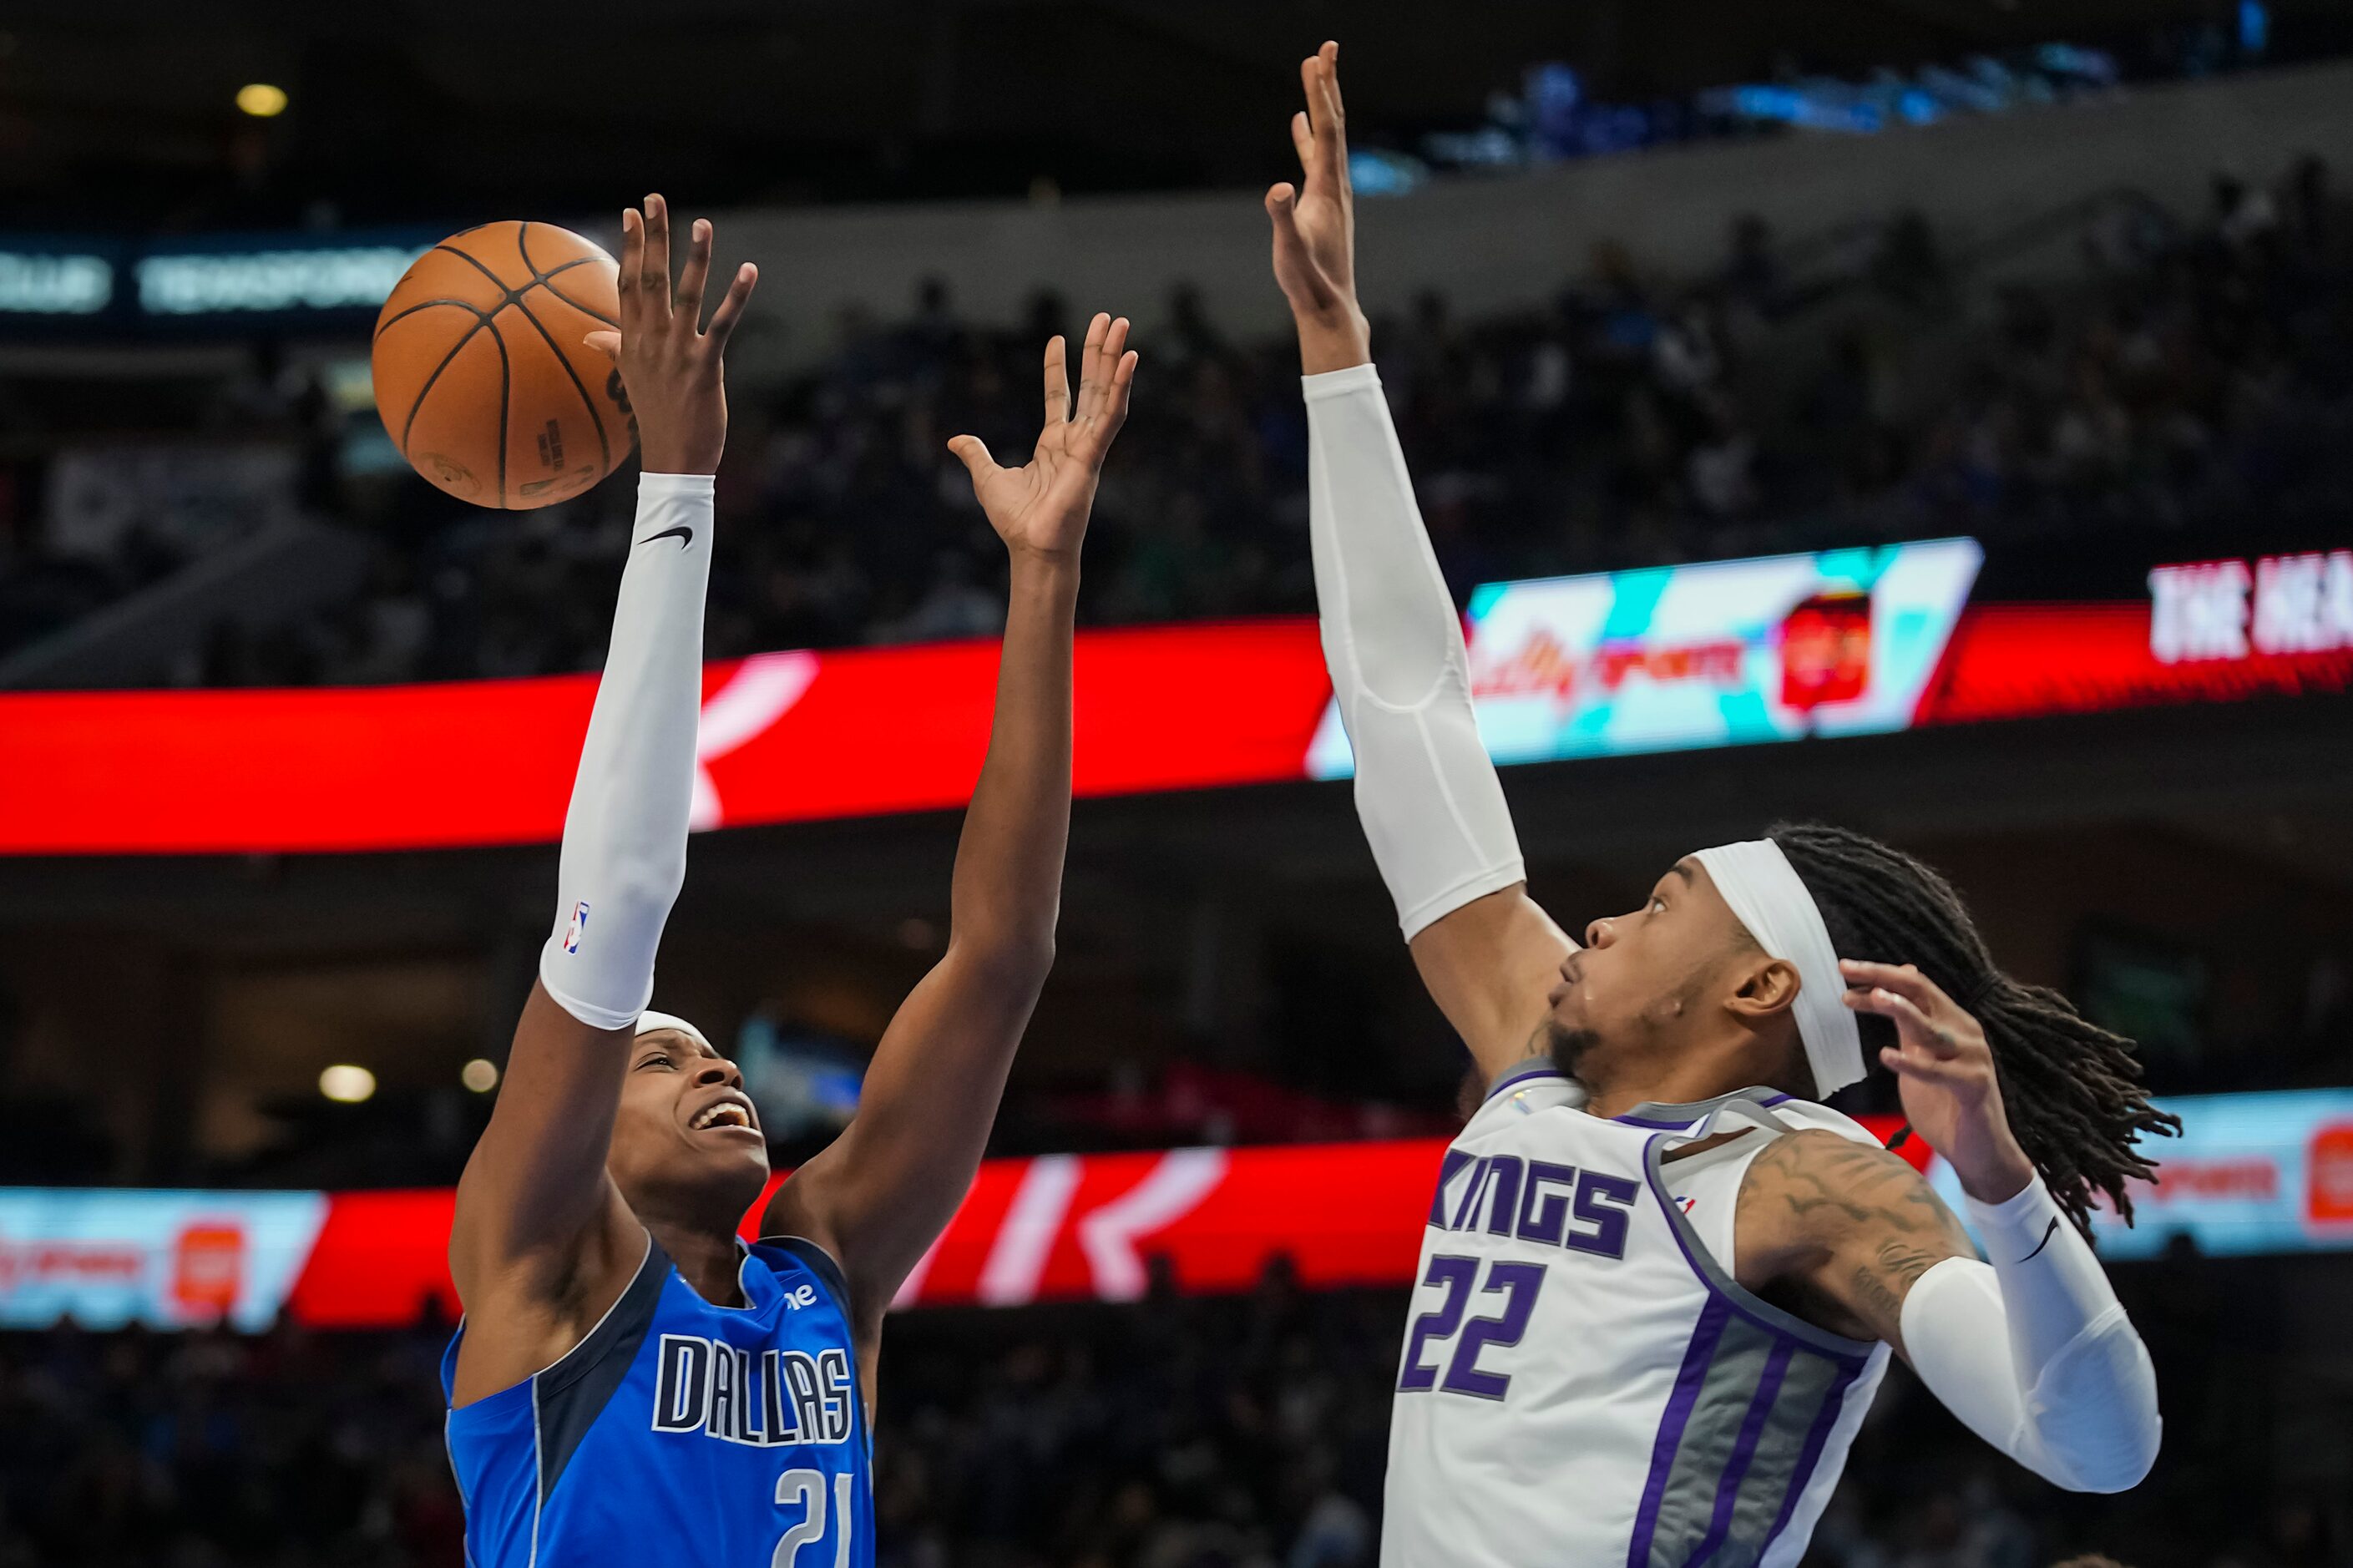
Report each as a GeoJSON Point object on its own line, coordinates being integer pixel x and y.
{"type": "Point", "coordinates": [632, 1384]}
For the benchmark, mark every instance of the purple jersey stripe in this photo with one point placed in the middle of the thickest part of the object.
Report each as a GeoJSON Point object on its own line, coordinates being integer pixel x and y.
{"type": "Point", "coordinates": [1688, 1383]}
{"type": "Point", "coordinates": [1744, 1450]}
{"type": "Point", "coordinates": [1833, 1404]}
{"type": "Point", "coordinates": [1518, 1076]}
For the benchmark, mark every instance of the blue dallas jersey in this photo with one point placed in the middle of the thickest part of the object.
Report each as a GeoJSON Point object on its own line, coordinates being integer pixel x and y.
{"type": "Point", "coordinates": [681, 1434]}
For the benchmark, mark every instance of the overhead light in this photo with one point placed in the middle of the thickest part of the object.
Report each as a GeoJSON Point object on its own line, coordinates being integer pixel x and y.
{"type": "Point", "coordinates": [480, 1075]}
{"type": "Point", "coordinates": [262, 100]}
{"type": "Point", "coordinates": [346, 1084]}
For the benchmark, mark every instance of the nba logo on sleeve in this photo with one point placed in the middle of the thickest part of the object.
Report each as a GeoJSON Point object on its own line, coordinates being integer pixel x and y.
{"type": "Point", "coordinates": [579, 922]}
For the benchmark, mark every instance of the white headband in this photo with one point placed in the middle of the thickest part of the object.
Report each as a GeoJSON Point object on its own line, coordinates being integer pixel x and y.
{"type": "Point", "coordinates": [648, 1021]}
{"type": "Point", "coordinates": [1766, 895]}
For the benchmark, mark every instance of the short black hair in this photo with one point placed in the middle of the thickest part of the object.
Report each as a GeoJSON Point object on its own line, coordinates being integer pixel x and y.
{"type": "Point", "coordinates": [2071, 1089]}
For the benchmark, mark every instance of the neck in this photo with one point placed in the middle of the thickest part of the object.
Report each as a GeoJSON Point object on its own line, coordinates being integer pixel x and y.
{"type": "Point", "coordinates": [707, 1258]}
{"type": "Point", "coordinates": [1667, 1083]}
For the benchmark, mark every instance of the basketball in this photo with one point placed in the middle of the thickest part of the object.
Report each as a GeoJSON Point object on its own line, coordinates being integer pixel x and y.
{"type": "Point", "coordinates": [482, 376]}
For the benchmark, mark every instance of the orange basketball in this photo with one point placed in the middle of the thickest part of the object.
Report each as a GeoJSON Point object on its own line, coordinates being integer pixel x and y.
{"type": "Point", "coordinates": [481, 378]}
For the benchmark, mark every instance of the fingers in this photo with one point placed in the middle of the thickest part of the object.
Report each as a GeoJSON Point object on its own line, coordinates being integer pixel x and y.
{"type": "Point", "coordinates": [1122, 379]}
{"type": "Point", "coordinates": [1057, 383]}
{"type": "Point", "coordinates": [1321, 73]}
{"type": "Point", "coordinates": [1303, 141]}
{"type": "Point", "coordinates": [653, 265]}
{"type": "Point", "coordinates": [605, 343]}
{"type": "Point", "coordinates": [1113, 379]}
{"type": "Point", "coordinates": [1920, 1065]}
{"type": "Point", "coordinates": [633, 256]}
{"type": "Point", "coordinates": [1904, 979]}
{"type": "Point", "coordinates": [973, 452]}
{"type": "Point", "coordinates": [731, 309]}
{"type": "Point", "coordinates": [1919, 1031]}
{"type": "Point", "coordinates": [691, 276]}
{"type": "Point", "coordinates": [1111, 358]}
{"type": "Point", "coordinates": [1302, 281]}
{"type": "Point", "coordinates": [1092, 368]}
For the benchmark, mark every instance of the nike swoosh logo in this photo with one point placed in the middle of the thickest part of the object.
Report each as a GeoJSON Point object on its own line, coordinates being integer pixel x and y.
{"type": "Point", "coordinates": [2048, 1232]}
{"type": "Point", "coordinates": [683, 534]}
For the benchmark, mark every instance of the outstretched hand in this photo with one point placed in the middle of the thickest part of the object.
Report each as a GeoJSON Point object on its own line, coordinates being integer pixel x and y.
{"type": "Point", "coordinates": [669, 363]}
{"type": "Point", "coordinates": [1316, 226]}
{"type": "Point", "coordinates": [1944, 1071]}
{"type": "Point", "coordinates": [1041, 508]}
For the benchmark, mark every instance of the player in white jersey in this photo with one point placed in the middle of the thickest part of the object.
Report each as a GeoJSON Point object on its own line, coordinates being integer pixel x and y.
{"type": "Point", "coordinates": [1659, 1283]}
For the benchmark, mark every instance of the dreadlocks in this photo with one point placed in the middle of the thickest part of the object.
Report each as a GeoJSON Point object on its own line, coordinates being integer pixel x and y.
{"type": "Point", "coordinates": [2071, 1089]}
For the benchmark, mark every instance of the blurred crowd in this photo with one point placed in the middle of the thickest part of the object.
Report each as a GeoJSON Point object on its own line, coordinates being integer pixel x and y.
{"type": "Point", "coordinates": [2183, 370]}
{"type": "Point", "coordinates": [1245, 1432]}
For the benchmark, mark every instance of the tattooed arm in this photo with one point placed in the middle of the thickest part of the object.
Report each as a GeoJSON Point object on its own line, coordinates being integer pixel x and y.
{"type": "Point", "coordinates": [1838, 1232]}
{"type": "Point", "coordinates": [2031, 1352]}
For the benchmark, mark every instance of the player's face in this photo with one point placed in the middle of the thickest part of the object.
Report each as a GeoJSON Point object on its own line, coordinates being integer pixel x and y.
{"type": "Point", "coordinates": [1642, 979]}
{"type": "Point", "coordinates": [685, 1123]}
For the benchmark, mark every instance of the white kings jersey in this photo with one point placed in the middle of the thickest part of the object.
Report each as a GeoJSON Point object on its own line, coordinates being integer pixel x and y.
{"type": "Point", "coordinates": [1583, 1383]}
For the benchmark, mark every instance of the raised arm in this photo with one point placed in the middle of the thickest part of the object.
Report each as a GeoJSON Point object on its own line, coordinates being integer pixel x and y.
{"type": "Point", "coordinates": [1431, 805]}
{"type": "Point", "coordinates": [542, 1243]}
{"type": "Point", "coordinates": [2031, 1349]}
{"type": "Point", "coordinates": [880, 1195]}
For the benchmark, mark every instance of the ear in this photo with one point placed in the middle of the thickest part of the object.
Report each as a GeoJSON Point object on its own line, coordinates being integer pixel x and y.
{"type": "Point", "coordinates": [1767, 989]}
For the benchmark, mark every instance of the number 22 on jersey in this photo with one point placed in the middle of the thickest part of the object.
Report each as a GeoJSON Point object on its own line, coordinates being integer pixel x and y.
{"type": "Point", "coordinates": [1542, 1193]}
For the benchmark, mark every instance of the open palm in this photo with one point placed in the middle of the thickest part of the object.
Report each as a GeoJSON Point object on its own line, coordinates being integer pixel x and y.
{"type": "Point", "coordinates": [1043, 505]}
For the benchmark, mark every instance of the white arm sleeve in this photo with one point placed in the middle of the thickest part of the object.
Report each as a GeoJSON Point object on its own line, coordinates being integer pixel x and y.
{"type": "Point", "coordinates": [624, 854]}
{"type": "Point", "coordinates": [1426, 794]}
{"type": "Point", "coordinates": [2035, 1352]}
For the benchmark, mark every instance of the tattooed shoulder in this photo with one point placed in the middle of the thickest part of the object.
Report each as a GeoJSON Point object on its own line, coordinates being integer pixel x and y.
{"type": "Point", "coordinates": [1828, 1185]}
{"type": "Point", "coordinates": [1858, 1223]}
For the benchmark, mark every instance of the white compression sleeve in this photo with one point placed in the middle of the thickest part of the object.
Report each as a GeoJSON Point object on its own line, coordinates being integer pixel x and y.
{"type": "Point", "coordinates": [625, 836]}
{"type": "Point", "coordinates": [1426, 794]}
{"type": "Point", "coordinates": [2034, 1353]}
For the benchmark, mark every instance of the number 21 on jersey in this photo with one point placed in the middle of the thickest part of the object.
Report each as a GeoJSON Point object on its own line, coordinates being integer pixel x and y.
{"type": "Point", "coordinates": [807, 1489]}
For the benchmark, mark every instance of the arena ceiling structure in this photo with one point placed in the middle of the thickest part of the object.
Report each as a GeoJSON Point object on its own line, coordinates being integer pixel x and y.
{"type": "Point", "coordinates": [125, 111]}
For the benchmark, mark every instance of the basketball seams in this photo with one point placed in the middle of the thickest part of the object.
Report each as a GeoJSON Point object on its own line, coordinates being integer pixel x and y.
{"type": "Point", "coordinates": [478, 265]}
{"type": "Point", "coordinates": [604, 443]}
{"type": "Point", "coordinates": [584, 310]}
{"type": "Point", "coordinates": [537, 277]}
{"type": "Point", "coordinates": [407, 310]}
{"type": "Point", "coordinates": [506, 397]}
{"type": "Point", "coordinates": [417, 403]}
{"type": "Point", "coordinates": [523, 248]}
{"type": "Point", "coordinates": [506, 365]}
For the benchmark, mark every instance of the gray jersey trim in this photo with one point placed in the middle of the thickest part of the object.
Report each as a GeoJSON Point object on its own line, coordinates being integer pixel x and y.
{"type": "Point", "coordinates": [1741, 1450]}
{"type": "Point", "coordinates": [1719, 1279]}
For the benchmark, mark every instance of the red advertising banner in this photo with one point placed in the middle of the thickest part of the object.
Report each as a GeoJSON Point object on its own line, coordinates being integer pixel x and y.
{"type": "Point", "coordinates": [795, 737]}
{"type": "Point", "coordinates": [2252, 1174]}
{"type": "Point", "coordinates": [1055, 1228]}
{"type": "Point", "coordinates": [789, 737]}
